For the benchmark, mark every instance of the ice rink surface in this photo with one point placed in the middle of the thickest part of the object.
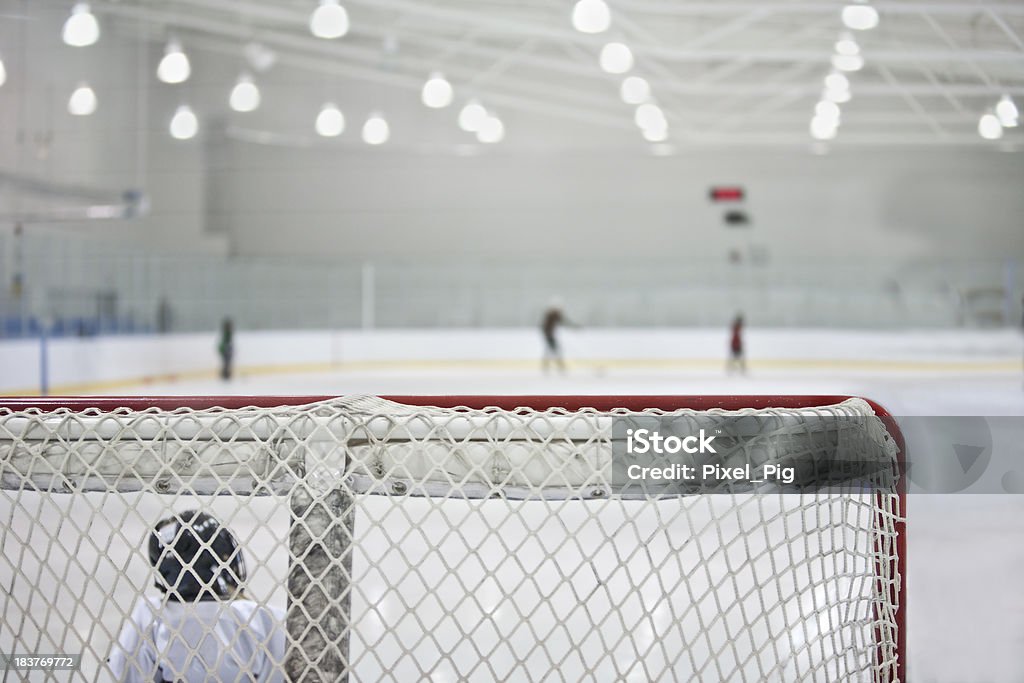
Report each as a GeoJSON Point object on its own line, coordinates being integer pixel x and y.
{"type": "Point", "coordinates": [902, 393]}
{"type": "Point", "coordinates": [966, 596]}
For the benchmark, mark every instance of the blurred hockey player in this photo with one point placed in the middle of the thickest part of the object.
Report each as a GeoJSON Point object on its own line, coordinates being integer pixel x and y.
{"type": "Point", "coordinates": [203, 628]}
{"type": "Point", "coordinates": [736, 359]}
{"type": "Point", "coordinates": [226, 348]}
{"type": "Point", "coordinates": [553, 319]}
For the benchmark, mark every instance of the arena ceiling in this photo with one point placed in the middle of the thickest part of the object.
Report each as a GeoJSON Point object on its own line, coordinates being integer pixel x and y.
{"type": "Point", "coordinates": [724, 73]}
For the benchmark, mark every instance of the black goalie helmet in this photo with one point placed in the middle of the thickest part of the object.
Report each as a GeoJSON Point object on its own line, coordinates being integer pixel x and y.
{"type": "Point", "coordinates": [196, 558]}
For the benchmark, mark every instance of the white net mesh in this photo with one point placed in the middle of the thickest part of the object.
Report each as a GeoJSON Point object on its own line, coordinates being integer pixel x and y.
{"type": "Point", "coordinates": [396, 543]}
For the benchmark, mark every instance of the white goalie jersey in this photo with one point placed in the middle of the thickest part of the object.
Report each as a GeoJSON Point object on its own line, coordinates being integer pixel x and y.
{"type": "Point", "coordinates": [232, 640]}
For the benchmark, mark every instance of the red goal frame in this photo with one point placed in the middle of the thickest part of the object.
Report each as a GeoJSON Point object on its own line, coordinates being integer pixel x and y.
{"type": "Point", "coordinates": [897, 593]}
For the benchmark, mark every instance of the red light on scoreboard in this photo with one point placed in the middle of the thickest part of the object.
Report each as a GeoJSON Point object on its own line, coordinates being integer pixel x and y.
{"type": "Point", "coordinates": [727, 193]}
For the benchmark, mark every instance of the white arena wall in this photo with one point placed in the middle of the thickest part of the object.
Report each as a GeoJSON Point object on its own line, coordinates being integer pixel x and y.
{"type": "Point", "coordinates": [98, 364]}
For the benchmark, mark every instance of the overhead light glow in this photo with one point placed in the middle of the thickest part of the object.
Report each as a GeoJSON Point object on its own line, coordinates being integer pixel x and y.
{"type": "Point", "coordinates": [989, 126]}
{"type": "Point", "coordinates": [329, 20]}
{"type": "Point", "coordinates": [823, 129]}
{"type": "Point", "coordinates": [847, 46]}
{"type": "Point", "coordinates": [650, 116]}
{"type": "Point", "coordinates": [616, 58]}
{"type": "Point", "coordinates": [655, 134]}
{"type": "Point", "coordinates": [184, 124]}
{"type": "Point", "coordinates": [1006, 112]}
{"type": "Point", "coordinates": [848, 62]}
{"type": "Point", "coordinates": [591, 16]}
{"type": "Point", "coordinates": [860, 17]}
{"type": "Point", "coordinates": [827, 110]}
{"type": "Point", "coordinates": [837, 81]}
{"type": "Point", "coordinates": [245, 96]}
{"type": "Point", "coordinates": [3, 72]}
{"type": "Point", "coordinates": [174, 67]}
{"type": "Point", "coordinates": [472, 116]}
{"type": "Point", "coordinates": [330, 122]}
{"type": "Point", "coordinates": [260, 57]}
{"type": "Point", "coordinates": [82, 101]}
{"type": "Point", "coordinates": [437, 91]}
{"type": "Point", "coordinates": [837, 88]}
{"type": "Point", "coordinates": [491, 130]}
{"type": "Point", "coordinates": [376, 130]}
{"type": "Point", "coordinates": [81, 29]}
{"type": "Point", "coordinates": [837, 96]}
{"type": "Point", "coordinates": [635, 90]}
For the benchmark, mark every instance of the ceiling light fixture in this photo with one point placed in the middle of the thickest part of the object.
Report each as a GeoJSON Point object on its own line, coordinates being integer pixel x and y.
{"type": "Point", "coordinates": [847, 46]}
{"type": "Point", "coordinates": [827, 110]}
{"type": "Point", "coordinates": [848, 62]}
{"type": "Point", "coordinates": [635, 90]}
{"type": "Point", "coordinates": [989, 126]}
{"type": "Point", "coordinates": [824, 129]}
{"type": "Point", "coordinates": [437, 91]}
{"type": "Point", "coordinates": [472, 116]}
{"type": "Point", "coordinates": [184, 124]}
{"type": "Point", "coordinates": [1006, 112]}
{"type": "Point", "coordinates": [657, 134]}
{"type": "Point", "coordinates": [330, 122]}
{"type": "Point", "coordinates": [82, 101]}
{"type": "Point", "coordinates": [649, 115]}
{"type": "Point", "coordinates": [174, 67]}
{"type": "Point", "coordinates": [491, 130]}
{"type": "Point", "coordinates": [81, 29]}
{"type": "Point", "coordinates": [616, 58]}
{"type": "Point", "coordinates": [245, 96]}
{"type": "Point", "coordinates": [591, 16]}
{"type": "Point", "coordinates": [329, 20]}
{"type": "Point", "coordinates": [860, 17]}
{"type": "Point", "coordinates": [376, 130]}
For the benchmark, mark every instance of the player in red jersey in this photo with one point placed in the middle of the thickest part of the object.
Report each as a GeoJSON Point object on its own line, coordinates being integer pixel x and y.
{"type": "Point", "coordinates": [736, 359]}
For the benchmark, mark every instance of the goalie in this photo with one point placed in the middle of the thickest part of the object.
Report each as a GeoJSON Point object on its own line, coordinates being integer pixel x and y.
{"type": "Point", "coordinates": [203, 628]}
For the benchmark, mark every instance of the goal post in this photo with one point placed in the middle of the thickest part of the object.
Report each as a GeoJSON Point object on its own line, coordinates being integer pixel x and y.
{"type": "Point", "coordinates": [468, 537]}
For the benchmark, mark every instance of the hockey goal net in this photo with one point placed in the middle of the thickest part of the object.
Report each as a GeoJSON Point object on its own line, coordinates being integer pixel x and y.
{"type": "Point", "coordinates": [449, 539]}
